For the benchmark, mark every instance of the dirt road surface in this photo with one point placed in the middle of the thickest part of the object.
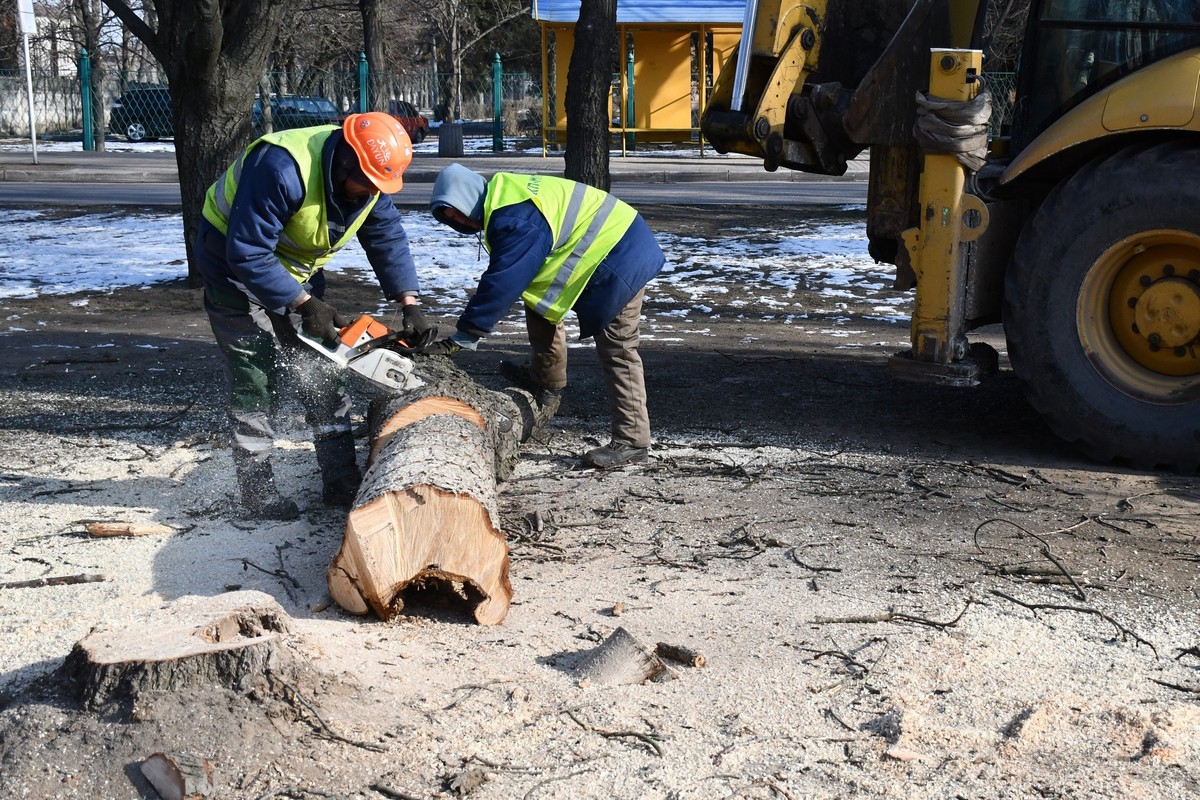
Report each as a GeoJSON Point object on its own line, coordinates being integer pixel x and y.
{"type": "Point", "coordinates": [899, 591]}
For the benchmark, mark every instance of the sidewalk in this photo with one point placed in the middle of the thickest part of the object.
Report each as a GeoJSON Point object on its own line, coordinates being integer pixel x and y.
{"type": "Point", "coordinates": [637, 166]}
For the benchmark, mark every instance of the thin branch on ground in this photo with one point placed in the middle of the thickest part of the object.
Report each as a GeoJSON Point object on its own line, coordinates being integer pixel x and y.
{"type": "Point", "coordinates": [894, 616]}
{"type": "Point", "coordinates": [548, 781]}
{"type": "Point", "coordinates": [328, 731]}
{"type": "Point", "coordinates": [1177, 686]}
{"type": "Point", "coordinates": [1125, 632]}
{"type": "Point", "coordinates": [649, 739]}
{"type": "Point", "coordinates": [58, 580]}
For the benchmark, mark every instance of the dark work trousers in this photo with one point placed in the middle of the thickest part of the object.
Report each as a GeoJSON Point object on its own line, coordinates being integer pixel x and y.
{"type": "Point", "coordinates": [259, 346]}
{"type": "Point", "coordinates": [620, 363]}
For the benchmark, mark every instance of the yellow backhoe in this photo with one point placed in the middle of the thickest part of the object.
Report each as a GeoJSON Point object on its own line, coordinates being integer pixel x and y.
{"type": "Point", "coordinates": [1076, 222]}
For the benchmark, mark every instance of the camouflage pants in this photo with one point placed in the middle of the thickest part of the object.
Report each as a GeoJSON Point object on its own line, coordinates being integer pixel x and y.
{"type": "Point", "coordinates": [260, 346]}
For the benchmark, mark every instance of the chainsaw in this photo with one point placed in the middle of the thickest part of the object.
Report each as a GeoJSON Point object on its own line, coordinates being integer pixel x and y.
{"type": "Point", "coordinates": [373, 351]}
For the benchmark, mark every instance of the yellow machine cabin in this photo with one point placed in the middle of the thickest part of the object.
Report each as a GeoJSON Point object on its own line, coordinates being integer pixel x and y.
{"type": "Point", "coordinates": [1077, 225]}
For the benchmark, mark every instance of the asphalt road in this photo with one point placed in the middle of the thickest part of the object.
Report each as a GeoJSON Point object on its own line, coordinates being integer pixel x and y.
{"type": "Point", "coordinates": [416, 195]}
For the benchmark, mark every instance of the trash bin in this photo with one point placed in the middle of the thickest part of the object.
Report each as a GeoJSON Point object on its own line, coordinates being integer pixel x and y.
{"type": "Point", "coordinates": [450, 140]}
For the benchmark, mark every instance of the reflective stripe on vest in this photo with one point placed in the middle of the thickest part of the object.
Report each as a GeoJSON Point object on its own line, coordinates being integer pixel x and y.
{"type": "Point", "coordinates": [585, 222]}
{"type": "Point", "coordinates": [304, 246]}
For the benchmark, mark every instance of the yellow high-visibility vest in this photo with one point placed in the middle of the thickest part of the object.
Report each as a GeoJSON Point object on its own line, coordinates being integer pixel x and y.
{"type": "Point", "coordinates": [586, 224]}
{"type": "Point", "coordinates": [304, 246]}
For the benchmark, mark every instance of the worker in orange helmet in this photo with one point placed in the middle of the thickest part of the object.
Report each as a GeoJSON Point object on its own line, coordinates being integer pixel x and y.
{"type": "Point", "coordinates": [271, 223]}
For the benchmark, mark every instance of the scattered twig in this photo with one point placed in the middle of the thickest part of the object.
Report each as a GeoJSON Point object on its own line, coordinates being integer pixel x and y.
{"type": "Point", "coordinates": [839, 654]}
{"type": "Point", "coordinates": [1177, 686]}
{"type": "Point", "coordinates": [774, 787]}
{"type": "Point", "coordinates": [1194, 652]}
{"type": "Point", "coordinates": [829, 712]}
{"type": "Point", "coordinates": [283, 573]}
{"type": "Point", "coordinates": [1051, 557]}
{"type": "Point", "coordinates": [894, 616]}
{"type": "Point", "coordinates": [295, 791]}
{"type": "Point", "coordinates": [58, 580]}
{"type": "Point", "coordinates": [277, 573]}
{"type": "Point", "coordinates": [1125, 632]}
{"type": "Point", "coordinates": [540, 784]}
{"type": "Point", "coordinates": [329, 732]}
{"type": "Point", "coordinates": [810, 567]}
{"type": "Point", "coordinates": [394, 794]}
{"type": "Point", "coordinates": [649, 739]}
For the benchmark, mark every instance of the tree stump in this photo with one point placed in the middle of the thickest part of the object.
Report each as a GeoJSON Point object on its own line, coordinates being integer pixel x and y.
{"type": "Point", "coordinates": [427, 508]}
{"type": "Point", "coordinates": [210, 642]}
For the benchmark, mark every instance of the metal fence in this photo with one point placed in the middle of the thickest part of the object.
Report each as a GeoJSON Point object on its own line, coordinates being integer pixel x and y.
{"type": "Point", "coordinates": [58, 99]}
{"type": "Point", "coordinates": [58, 104]}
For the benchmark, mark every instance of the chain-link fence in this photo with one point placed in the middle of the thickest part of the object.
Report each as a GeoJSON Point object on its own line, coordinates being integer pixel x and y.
{"type": "Point", "coordinates": [141, 109]}
{"type": "Point", "coordinates": [1003, 86]}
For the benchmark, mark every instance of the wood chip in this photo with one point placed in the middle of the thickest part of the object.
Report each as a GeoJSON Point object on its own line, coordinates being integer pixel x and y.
{"type": "Point", "coordinates": [179, 776]}
{"type": "Point", "coordinates": [679, 654]}
{"type": "Point", "coordinates": [107, 529]}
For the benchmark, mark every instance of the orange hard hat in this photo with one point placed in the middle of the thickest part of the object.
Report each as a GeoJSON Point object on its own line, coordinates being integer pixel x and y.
{"type": "Point", "coordinates": [383, 148]}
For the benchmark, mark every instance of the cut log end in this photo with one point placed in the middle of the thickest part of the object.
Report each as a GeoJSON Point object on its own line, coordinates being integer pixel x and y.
{"type": "Point", "coordinates": [424, 534]}
{"type": "Point", "coordinates": [209, 642]}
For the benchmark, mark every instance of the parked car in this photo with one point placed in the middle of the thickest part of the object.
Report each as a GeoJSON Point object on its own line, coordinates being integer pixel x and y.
{"type": "Point", "coordinates": [415, 125]}
{"type": "Point", "coordinates": [294, 111]}
{"type": "Point", "coordinates": [142, 112]}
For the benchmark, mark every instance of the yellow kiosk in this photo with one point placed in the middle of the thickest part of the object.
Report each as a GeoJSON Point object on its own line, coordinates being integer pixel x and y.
{"type": "Point", "coordinates": [669, 53]}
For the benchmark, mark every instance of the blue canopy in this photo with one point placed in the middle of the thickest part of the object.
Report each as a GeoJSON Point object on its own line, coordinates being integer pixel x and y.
{"type": "Point", "coordinates": [661, 11]}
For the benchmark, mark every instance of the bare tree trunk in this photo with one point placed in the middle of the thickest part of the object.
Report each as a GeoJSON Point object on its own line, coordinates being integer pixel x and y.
{"type": "Point", "coordinates": [589, 81]}
{"type": "Point", "coordinates": [214, 53]}
{"type": "Point", "coordinates": [10, 39]}
{"type": "Point", "coordinates": [375, 47]}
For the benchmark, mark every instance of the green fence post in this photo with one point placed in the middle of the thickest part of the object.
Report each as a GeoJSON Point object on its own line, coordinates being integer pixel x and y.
{"type": "Point", "coordinates": [630, 138]}
{"type": "Point", "coordinates": [362, 83]}
{"type": "Point", "coordinates": [497, 103]}
{"type": "Point", "coordinates": [85, 92]}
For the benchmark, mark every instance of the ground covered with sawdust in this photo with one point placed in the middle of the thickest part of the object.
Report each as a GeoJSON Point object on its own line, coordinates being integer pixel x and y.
{"type": "Point", "coordinates": [898, 591]}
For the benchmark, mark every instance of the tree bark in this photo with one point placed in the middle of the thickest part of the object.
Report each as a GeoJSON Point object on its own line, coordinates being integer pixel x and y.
{"type": "Point", "coordinates": [214, 641]}
{"type": "Point", "coordinates": [375, 48]}
{"type": "Point", "coordinates": [213, 53]}
{"type": "Point", "coordinates": [588, 88]}
{"type": "Point", "coordinates": [426, 511]}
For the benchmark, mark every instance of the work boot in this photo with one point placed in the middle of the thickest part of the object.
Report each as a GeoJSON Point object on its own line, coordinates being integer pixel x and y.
{"type": "Point", "coordinates": [340, 492]}
{"type": "Point", "coordinates": [260, 497]}
{"type": "Point", "coordinates": [521, 376]}
{"type": "Point", "coordinates": [614, 454]}
{"type": "Point", "coordinates": [339, 469]}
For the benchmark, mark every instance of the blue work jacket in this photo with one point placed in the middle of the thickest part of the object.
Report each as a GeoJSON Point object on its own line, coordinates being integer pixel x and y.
{"type": "Point", "coordinates": [521, 241]}
{"type": "Point", "coordinates": [269, 192]}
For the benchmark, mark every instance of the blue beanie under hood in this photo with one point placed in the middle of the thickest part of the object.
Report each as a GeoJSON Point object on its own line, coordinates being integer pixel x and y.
{"type": "Point", "coordinates": [459, 188]}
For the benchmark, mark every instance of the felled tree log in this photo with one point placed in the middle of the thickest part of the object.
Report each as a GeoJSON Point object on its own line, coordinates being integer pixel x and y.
{"type": "Point", "coordinates": [427, 509]}
{"type": "Point", "coordinates": [211, 642]}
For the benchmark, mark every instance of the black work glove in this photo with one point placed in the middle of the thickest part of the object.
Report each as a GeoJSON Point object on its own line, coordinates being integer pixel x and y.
{"type": "Point", "coordinates": [414, 319]}
{"type": "Point", "coordinates": [442, 347]}
{"type": "Point", "coordinates": [320, 320]}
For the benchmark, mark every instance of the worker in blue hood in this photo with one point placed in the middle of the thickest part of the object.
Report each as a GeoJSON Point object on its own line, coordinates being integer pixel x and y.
{"type": "Point", "coordinates": [559, 246]}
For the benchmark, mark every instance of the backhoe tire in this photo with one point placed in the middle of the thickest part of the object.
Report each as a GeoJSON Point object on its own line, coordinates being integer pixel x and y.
{"type": "Point", "coordinates": [1102, 307]}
